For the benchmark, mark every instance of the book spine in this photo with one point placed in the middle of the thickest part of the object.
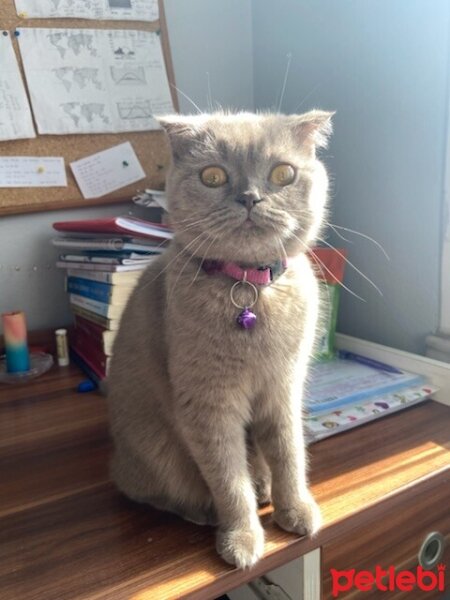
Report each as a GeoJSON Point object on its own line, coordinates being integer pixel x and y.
{"type": "Point", "coordinates": [90, 352]}
{"type": "Point", "coordinates": [91, 332]}
{"type": "Point", "coordinates": [96, 290]}
{"type": "Point", "coordinates": [99, 375]}
{"type": "Point", "coordinates": [96, 334]}
{"type": "Point", "coordinates": [92, 275]}
{"type": "Point", "coordinates": [110, 324]}
{"type": "Point", "coordinates": [99, 308]}
{"type": "Point", "coordinates": [124, 279]}
{"type": "Point", "coordinates": [95, 328]}
{"type": "Point", "coordinates": [87, 369]}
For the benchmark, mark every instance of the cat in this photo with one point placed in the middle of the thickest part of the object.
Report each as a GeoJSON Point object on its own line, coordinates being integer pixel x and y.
{"type": "Point", "coordinates": [205, 401]}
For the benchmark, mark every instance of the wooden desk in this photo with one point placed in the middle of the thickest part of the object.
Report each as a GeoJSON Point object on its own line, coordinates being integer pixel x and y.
{"type": "Point", "coordinates": [66, 533]}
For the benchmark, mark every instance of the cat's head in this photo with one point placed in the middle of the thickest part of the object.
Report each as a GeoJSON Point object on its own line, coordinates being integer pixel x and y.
{"type": "Point", "coordinates": [247, 187]}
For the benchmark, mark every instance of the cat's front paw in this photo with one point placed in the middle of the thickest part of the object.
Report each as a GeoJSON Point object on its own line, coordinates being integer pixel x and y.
{"type": "Point", "coordinates": [303, 518]}
{"type": "Point", "coordinates": [242, 547]}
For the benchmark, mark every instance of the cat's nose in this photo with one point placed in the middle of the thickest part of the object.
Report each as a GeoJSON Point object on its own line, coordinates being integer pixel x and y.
{"type": "Point", "coordinates": [248, 199]}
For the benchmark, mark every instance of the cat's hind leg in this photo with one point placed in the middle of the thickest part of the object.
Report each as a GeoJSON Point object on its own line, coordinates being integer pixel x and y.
{"type": "Point", "coordinates": [175, 486]}
{"type": "Point", "coordinates": [259, 471]}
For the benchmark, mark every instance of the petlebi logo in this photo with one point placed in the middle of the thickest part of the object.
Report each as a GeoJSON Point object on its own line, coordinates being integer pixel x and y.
{"type": "Point", "coordinates": [387, 580]}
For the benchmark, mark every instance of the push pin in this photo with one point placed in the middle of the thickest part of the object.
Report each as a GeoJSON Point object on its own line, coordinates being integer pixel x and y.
{"type": "Point", "coordinates": [5, 33]}
{"type": "Point", "coordinates": [125, 163]}
{"type": "Point", "coordinates": [23, 15]}
{"type": "Point", "coordinates": [41, 169]}
{"type": "Point", "coordinates": [16, 32]}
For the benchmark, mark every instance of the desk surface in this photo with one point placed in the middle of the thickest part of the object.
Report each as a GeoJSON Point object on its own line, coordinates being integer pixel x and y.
{"type": "Point", "coordinates": [66, 533]}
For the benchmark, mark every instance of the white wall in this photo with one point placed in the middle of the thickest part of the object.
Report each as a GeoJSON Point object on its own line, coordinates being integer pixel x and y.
{"type": "Point", "coordinates": [205, 36]}
{"type": "Point", "coordinates": [383, 65]}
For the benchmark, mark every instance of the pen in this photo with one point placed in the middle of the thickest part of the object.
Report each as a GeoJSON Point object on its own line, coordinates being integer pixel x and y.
{"type": "Point", "coordinates": [369, 362]}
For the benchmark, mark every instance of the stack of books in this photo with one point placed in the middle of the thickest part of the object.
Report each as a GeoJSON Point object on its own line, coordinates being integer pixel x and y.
{"type": "Point", "coordinates": [104, 260]}
{"type": "Point", "coordinates": [351, 390]}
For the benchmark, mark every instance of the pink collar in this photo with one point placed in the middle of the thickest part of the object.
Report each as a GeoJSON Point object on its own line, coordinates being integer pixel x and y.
{"type": "Point", "coordinates": [263, 275]}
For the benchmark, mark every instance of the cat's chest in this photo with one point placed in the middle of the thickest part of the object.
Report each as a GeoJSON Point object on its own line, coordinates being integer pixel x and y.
{"type": "Point", "coordinates": [207, 317]}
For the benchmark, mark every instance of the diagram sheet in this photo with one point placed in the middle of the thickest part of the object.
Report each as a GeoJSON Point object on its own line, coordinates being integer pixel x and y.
{"type": "Point", "coordinates": [136, 10]}
{"type": "Point", "coordinates": [15, 113]}
{"type": "Point", "coordinates": [94, 81]}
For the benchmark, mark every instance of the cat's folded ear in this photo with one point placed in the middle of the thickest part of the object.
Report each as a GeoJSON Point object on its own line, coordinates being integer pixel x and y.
{"type": "Point", "coordinates": [313, 128]}
{"type": "Point", "coordinates": [181, 130]}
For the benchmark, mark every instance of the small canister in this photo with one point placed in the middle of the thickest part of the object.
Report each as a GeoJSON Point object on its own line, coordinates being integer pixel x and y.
{"type": "Point", "coordinates": [62, 347]}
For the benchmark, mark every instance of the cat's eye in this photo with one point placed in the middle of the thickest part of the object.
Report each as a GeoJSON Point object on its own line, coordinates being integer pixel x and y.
{"type": "Point", "coordinates": [213, 176]}
{"type": "Point", "coordinates": [283, 174]}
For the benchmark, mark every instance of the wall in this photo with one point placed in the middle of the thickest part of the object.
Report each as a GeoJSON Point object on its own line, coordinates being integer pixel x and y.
{"type": "Point", "coordinates": [200, 32]}
{"type": "Point", "coordinates": [382, 64]}
{"type": "Point", "coordinates": [212, 37]}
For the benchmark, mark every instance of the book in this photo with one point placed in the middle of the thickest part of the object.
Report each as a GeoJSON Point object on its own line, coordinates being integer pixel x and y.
{"type": "Point", "coordinates": [110, 324]}
{"type": "Point", "coordinates": [101, 336]}
{"type": "Point", "coordinates": [90, 373]}
{"type": "Point", "coordinates": [99, 372]}
{"type": "Point", "coordinates": [103, 309]}
{"type": "Point", "coordinates": [90, 266]}
{"type": "Point", "coordinates": [113, 258]}
{"type": "Point", "coordinates": [97, 290]}
{"type": "Point", "coordinates": [127, 225]}
{"type": "Point", "coordinates": [350, 378]}
{"type": "Point", "coordinates": [83, 342]}
{"type": "Point", "coordinates": [127, 278]}
{"type": "Point", "coordinates": [112, 243]}
{"type": "Point", "coordinates": [322, 426]}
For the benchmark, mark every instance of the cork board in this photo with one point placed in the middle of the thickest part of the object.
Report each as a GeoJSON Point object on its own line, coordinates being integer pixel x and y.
{"type": "Point", "coordinates": [150, 146]}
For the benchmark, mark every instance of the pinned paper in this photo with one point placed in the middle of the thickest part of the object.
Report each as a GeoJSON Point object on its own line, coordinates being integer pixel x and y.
{"type": "Point", "coordinates": [94, 80]}
{"type": "Point", "coordinates": [136, 10]}
{"type": "Point", "coordinates": [32, 171]}
{"type": "Point", "coordinates": [106, 171]}
{"type": "Point", "coordinates": [15, 113]}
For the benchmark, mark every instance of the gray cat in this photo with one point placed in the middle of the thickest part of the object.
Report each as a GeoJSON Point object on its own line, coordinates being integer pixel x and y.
{"type": "Point", "coordinates": [211, 356]}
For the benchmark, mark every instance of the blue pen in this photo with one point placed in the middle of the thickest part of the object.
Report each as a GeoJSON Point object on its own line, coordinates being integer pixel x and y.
{"type": "Point", "coordinates": [369, 362]}
{"type": "Point", "coordinates": [86, 386]}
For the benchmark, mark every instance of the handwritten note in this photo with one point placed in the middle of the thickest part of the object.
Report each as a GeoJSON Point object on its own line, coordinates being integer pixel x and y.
{"type": "Point", "coordinates": [32, 171]}
{"type": "Point", "coordinates": [106, 171]}
{"type": "Point", "coordinates": [15, 113]}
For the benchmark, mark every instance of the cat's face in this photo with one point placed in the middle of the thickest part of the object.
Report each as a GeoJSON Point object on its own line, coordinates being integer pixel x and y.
{"type": "Point", "coordinates": [246, 187]}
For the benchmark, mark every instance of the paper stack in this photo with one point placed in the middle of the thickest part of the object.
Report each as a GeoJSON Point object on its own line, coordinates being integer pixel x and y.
{"type": "Point", "coordinates": [351, 390]}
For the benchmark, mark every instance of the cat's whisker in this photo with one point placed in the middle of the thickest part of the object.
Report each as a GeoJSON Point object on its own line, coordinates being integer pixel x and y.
{"type": "Point", "coordinates": [305, 98]}
{"type": "Point", "coordinates": [203, 260]}
{"type": "Point", "coordinates": [322, 265]}
{"type": "Point", "coordinates": [367, 237]}
{"type": "Point", "coordinates": [350, 264]}
{"type": "Point", "coordinates": [339, 234]}
{"type": "Point", "coordinates": [319, 265]}
{"type": "Point", "coordinates": [210, 228]}
{"type": "Point", "coordinates": [190, 257]}
{"type": "Point", "coordinates": [283, 249]}
{"type": "Point", "coordinates": [187, 98]}
{"type": "Point", "coordinates": [208, 94]}
{"type": "Point", "coordinates": [192, 225]}
{"type": "Point", "coordinates": [184, 249]}
{"type": "Point", "coordinates": [286, 75]}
